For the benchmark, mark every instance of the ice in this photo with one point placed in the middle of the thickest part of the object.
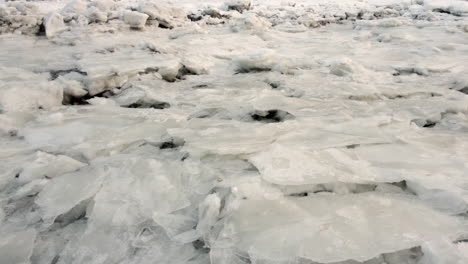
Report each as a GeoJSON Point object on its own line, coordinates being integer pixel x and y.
{"type": "Point", "coordinates": [104, 5]}
{"type": "Point", "coordinates": [49, 166]}
{"type": "Point", "coordinates": [135, 19]}
{"type": "Point", "coordinates": [19, 18]}
{"type": "Point", "coordinates": [338, 227]}
{"type": "Point", "coordinates": [49, 245]}
{"type": "Point", "coordinates": [250, 22]}
{"type": "Point", "coordinates": [177, 227]}
{"type": "Point", "coordinates": [312, 167]}
{"type": "Point", "coordinates": [208, 213]}
{"type": "Point", "coordinates": [95, 15]}
{"type": "Point", "coordinates": [53, 24]}
{"type": "Point", "coordinates": [263, 132]}
{"type": "Point", "coordinates": [19, 97]}
{"type": "Point", "coordinates": [76, 187]}
{"type": "Point", "coordinates": [238, 5]}
{"type": "Point", "coordinates": [74, 7]}
{"type": "Point", "coordinates": [17, 247]}
{"type": "Point", "coordinates": [166, 16]}
{"type": "Point", "coordinates": [260, 60]}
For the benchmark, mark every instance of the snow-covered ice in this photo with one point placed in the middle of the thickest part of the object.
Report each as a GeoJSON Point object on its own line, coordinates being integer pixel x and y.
{"type": "Point", "coordinates": [219, 131]}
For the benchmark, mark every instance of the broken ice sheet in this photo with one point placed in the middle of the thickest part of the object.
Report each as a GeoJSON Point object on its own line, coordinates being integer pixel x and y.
{"type": "Point", "coordinates": [83, 133]}
{"type": "Point", "coordinates": [76, 187]}
{"type": "Point", "coordinates": [227, 137]}
{"type": "Point", "coordinates": [333, 228]}
{"type": "Point", "coordinates": [281, 164]}
{"type": "Point", "coordinates": [119, 194]}
{"type": "Point", "coordinates": [295, 163]}
{"type": "Point", "coordinates": [437, 176]}
{"type": "Point", "coordinates": [16, 247]}
{"type": "Point", "coordinates": [274, 100]}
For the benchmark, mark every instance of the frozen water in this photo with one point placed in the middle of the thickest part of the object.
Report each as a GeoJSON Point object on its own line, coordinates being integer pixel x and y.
{"type": "Point", "coordinates": [332, 228]}
{"type": "Point", "coordinates": [263, 132]}
{"type": "Point", "coordinates": [53, 24]}
{"type": "Point", "coordinates": [135, 19]}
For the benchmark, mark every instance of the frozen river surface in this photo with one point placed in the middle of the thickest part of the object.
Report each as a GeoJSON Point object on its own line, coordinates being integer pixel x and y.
{"type": "Point", "coordinates": [238, 132]}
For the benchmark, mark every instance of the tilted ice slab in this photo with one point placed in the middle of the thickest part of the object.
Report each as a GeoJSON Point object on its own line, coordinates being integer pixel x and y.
{"type": "Point", "coordinates": [332, 228]}
{"type": "Point", "coordinates": [85, 133]}
{"type": "Point", "coordinates": [17, 247]}
{"type": "Point", "coordinates": [437, 176]}
{"type": "Point", "coordinates": [283, 164]}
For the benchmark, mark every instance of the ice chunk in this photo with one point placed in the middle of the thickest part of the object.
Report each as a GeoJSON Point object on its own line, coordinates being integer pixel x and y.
{"type": "Point", "coordinates": [72, 88]}
{"type": "Point", "coordinates": [135, 19]}
{"type": "Point", "coordinates": [80, 134]}
{"type": "Point", "coordinates": [208, 212]}
{"type": "Point", "coordinates": [104, 5]}
{"type": "Point", "coordinates": [136, 189]}
{"type": "Point", "coordinates": [282, 165]}
{"type": "Point", "coordinates": [238, 5]}
{"type": "Point", "coordinates": [49, 246]}
{"type": "Point", "coordinates": [30, 189]}
{"type": "Point", "coordinates": [63, 193]}
{"type": "Point", "coordinates": [20, 97]}
{"type": "Point", "coordinates": [17, 247]}
{"type": "Point", "coordinates": [430, 171]}
{"type": "Point", "coordinates": [343, 67]}
{"type": "Point", "coordinates": [49, 166]}
{"type": "Point", "coordinates": [176, 225]}
{"type": "Point", "coordinates": [161, 192]}
{"type": "Point", "coordinates": [96, 15]}
{"type": "Point", "coordinates": [170, 69]}
{"type": "Point", "coordinates": [226, 138]}
{"type": "Point", "coordinates": [101, 102]}
{"type": "Point", "coordinates": [444, 251]}
{"type": "Point", "coordinates": [339, 227]}
{"type": "Point", "coordinates": [167, 16]}
{"type": "Point", "coordinates": [20, 18]}
{"type": "Point", "coordinates": [74, 7]}
{"type": "Point", "coordinates": [197, 64]}
{"type": "Point", "coordinates": [260, 60]}
{"type": "Point", "coordinates": [53, 24]}
{"type": "Point", "coordinates": [250, 22]}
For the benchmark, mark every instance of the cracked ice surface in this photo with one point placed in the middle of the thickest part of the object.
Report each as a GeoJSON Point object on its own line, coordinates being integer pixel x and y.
{"type": "Point", "coordinates": [264, 132]}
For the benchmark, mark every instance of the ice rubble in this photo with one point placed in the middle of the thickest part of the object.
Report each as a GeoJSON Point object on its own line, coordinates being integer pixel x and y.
{"type": "Point", "coordinates": [233, 132]}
